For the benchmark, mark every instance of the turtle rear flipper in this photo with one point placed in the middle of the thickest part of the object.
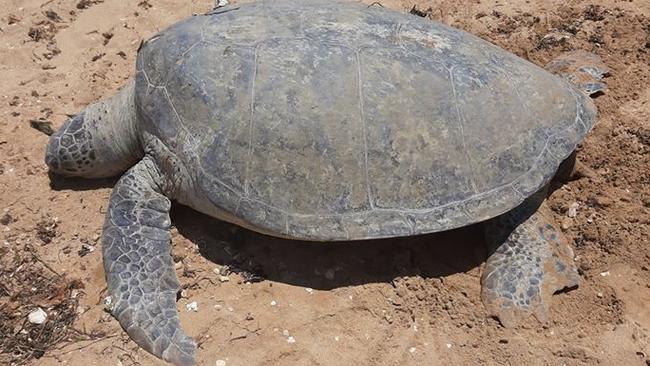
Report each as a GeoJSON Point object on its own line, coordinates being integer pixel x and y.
{"type": "Point", "coordinates": [139, 267]}
{"type": "Point", "coordinates": [529, 262]}
{"type": "Point", "coordinates": [584, 69]}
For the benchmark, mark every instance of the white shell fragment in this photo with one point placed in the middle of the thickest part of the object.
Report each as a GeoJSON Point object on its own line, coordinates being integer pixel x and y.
{"type": "Point", "coordinates": [37, 316]}
{"type": "Point", "coordinates": [193, 306]}
{"type": "Point", "coordinates": [224, 278]}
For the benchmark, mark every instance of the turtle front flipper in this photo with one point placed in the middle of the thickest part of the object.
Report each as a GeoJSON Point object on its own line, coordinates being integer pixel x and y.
{"type": "Point", "coordinates": [139, 268]}
{"type": "Point", "coordinates": [529, 261]}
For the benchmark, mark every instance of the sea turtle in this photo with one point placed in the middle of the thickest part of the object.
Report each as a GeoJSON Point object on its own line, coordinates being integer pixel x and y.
{"type": "Point", "coordinates": [326, 121]}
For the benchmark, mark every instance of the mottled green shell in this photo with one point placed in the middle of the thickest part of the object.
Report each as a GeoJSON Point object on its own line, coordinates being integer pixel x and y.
{"type": "Point", "coordinates": [333, 121]}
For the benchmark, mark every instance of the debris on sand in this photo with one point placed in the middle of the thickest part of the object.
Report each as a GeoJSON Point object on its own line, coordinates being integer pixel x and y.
{"type": "Point", "coordinates": [6, 218]}
{"type": "Point", "coordinates": [85, 4]}
{"type": "Point", "coordinates": [98, 56]}
{"type": "Point", "coordinates": [85, 250]}
{"type": "Point", "coordinates": [53, 16]}
{"type": "Point", "coordinates": [42, 126]}
{"type": "Point", "coordinates": [12, 19]}
{"type": "Point", "coordinates": [36, 307]}
{"type": "Point", "coordinates": [421, 13]}
{"type": "Point", "coordinates": [46, 229]}
{"type": "Point", "coordinates": [107, 37]}
{"type": "Point", "coordinates": [244, 266]}
{"type": "Point", "coordinates": [145, 5]}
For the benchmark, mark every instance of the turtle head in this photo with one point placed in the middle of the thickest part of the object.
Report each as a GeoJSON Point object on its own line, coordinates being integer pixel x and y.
{"type": "Point", "coordinates": [101, 141]}
{"type": "Point", "coordinates": [69, 151]}
{"type": "Point", "coordinates": [584, 69]}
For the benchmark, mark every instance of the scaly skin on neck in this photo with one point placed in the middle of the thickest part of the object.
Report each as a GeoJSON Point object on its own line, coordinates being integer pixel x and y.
{"type": "Point", "coordinates": [101, 141]}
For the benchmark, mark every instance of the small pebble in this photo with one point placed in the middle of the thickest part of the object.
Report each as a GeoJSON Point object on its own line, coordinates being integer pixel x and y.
{"type": "Point", "coordinates": [291, 340]}
{"type": "Point", "coordinates": [591, 218]}
{"type": "Point", "coordinates": [37, 316]}
{"type": "Point", "coordinates": [220, 363]}
{"type": "Point", "coordinates": [412, 349]}
{"type": "Point", "coordinates": [220, 3]}
{"type": "Point", "coordinates": [285, 333]}
{"type": "Point", "coordinates": [193, 306]}
{"type": "Point", "coordinates": [108, 304]}
{"type": "Point", "coordinates": [604, 274]}
{"type": "Point", "coordinates": [224, 278]}
{"type": "Point", "coordinates": [600, 294]}
{"type": "Point", "coordinates": [336, 338]}
{"type": "Point", "coordinates": [573, 209]}
{"type": "Point", "coordinates": [310, 290]}
{"type": "Point", "coordinates": [273, 303]}
{"type": "Point", "coordinates": [217, 271]}
{"type": "Point", "coordinates": [448, 345]}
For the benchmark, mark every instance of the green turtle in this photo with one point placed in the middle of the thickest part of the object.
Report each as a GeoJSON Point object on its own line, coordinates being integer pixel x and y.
{"type": "Point", "coordinates": [327, 121]}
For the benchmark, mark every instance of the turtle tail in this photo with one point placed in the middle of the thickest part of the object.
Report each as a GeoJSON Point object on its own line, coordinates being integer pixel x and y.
{"type": "Point", "coordinates": [584, 69]}
{"type": "Point", "coordinates": [99, 142]}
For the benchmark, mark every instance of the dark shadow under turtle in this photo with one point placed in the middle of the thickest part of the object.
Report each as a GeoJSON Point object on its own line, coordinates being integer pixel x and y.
{"type": "Point", "coordinates": [330, 121]}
